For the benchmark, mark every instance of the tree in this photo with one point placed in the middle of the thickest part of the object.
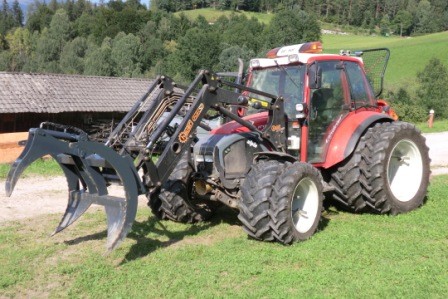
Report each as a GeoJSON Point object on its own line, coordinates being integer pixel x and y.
{"type": "Point", "coordinates": [20, 47]}
{"type": "Point", "coordinates": [228, 59]}
{"type": "Point", "coordinates": [60, 27]}
{"type": "Point", "coordinates": [426, 22]}
{"type": "Point", "coordinates": [47, 53]}
{"type": "Point", "coordinates": [198, 49]}
{"type": "Point", "coordinates": [125, 55]}
{"type": "Point", "coordinates": [6, 20]}
{"type": "Point", "coordinates": [151, 50]}
{"type": "Point", "coordinates": [384, 25]}
{"type": "Point", "coordinates": [51, 42]}
{"type": "Point", "coordinates": [433, 88]}
{"type": "Point", "coordinates": [403, 22]}
{"type": "Point", "coordinates": [85, 24]}
{"type": "Point", "coordinates": [291, 27]}
{"type": "Point", "coordinates": [72, 56]}
{"type": "Point", "coordinates": [39, 17]}
{"type": "Point", "coordinates": [17, 13]}
{"type": "Point", "coordinates": [98, 60]}
{"type": "Point", "coordinates": [243, 32]}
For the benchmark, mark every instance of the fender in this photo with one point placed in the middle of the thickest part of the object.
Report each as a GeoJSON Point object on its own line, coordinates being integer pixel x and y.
{"type": "Point", "coordinates": [280, 156]}
{"type": "Point", "coordinates": [348, 134]}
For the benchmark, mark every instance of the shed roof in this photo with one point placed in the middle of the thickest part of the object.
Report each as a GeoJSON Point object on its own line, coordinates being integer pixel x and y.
{"type": "Point", "coordinates": [54, 93]}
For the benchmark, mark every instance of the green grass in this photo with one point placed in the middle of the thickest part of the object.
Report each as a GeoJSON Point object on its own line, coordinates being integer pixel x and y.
{"type": "Point", "coordinates": [408, 55]}
{"type": "Point", "coordinates": [358, 256]}
{"type": "Point", "coordinates": [44, 167]}
{"type": "Point", "coordinates": [438, 126]}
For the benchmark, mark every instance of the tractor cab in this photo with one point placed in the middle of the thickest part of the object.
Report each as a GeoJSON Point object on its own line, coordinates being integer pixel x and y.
{"type": "Point", "coordinates": [319, 91]}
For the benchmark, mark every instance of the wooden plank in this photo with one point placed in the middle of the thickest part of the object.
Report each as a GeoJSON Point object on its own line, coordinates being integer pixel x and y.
{"type": "Point", "coordinates": [9, 147]}
{"type": "Point", "coordinates": [13, 137]}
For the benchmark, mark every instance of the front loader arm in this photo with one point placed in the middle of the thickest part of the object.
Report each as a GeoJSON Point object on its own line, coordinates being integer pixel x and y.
{"type": "Point", "coordinates": [210, 97]}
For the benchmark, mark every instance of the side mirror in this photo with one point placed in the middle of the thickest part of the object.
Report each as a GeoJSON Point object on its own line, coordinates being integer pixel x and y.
{"type": "Point", "coordinates": [315, 76]}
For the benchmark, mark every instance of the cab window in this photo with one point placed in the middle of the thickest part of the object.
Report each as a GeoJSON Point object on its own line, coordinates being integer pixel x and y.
{"type": "Point", "coordinates": [360, 90]}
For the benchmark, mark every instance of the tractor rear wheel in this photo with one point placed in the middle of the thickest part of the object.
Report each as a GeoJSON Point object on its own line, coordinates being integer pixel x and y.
{"type": "Point", "coordinates": [399, 168]}
{"type": "Point", "coordinates": [350, 179]}
{"type": "Point", "coordinates": [174, 201]}
{"type": "Point", "coordinates": [256, 199]}
{"type": "Point", "coordinates": [298, 193]}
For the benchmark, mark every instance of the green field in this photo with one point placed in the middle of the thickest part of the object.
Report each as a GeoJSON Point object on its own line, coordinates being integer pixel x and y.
{"type": "Point", "coordinates": [359, 256]}
{"type": "Point", "coordinates": [408, 55]}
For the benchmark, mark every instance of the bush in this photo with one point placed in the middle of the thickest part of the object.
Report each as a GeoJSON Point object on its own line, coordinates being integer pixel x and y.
{"type": "Point", "coordinates": [407, 108]}
{"type": "Point", "coordinates": [410, 112]}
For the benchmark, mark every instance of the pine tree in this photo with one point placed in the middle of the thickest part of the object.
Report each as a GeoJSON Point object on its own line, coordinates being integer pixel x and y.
{"type": "Point", "coordinates": [17, 14]}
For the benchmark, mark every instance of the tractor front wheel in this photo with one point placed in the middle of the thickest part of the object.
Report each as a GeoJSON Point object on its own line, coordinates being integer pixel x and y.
{"type": "Point", "coordinates": [399, 168]}
{"type": "Point", "coordinates": [256, 199]}
{"type": "Point", "coordinates": [174, 201]}
{"type": "Point", "coordinates": [299, 196]}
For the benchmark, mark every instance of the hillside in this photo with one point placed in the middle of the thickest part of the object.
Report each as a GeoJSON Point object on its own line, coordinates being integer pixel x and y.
{"type": "Point", "coordinates": [408, 55]}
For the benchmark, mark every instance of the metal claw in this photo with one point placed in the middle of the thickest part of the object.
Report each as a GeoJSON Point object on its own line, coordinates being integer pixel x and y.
{"type": "Point", "coordinates": [83, 163]}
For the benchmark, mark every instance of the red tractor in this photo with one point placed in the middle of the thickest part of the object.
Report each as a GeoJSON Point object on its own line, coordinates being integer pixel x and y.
{"type": "Point", "coordinates": [305, 126]}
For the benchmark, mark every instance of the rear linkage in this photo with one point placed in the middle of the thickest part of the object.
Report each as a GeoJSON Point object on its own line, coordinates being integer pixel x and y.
{"type": "Point", "coordinates": [90, 167]}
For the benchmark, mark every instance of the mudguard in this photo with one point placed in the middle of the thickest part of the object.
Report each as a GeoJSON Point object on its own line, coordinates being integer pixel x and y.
{"type": "Point", "coordinates": [88, 167]}
{"type": "Point", "coordinates": [346, 136]}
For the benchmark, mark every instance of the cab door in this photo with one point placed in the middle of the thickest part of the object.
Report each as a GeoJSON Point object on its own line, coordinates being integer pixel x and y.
{"type": "Point", "coordinates": [329, 104]}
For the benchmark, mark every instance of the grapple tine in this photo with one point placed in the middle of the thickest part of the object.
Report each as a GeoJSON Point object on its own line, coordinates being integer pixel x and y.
{"type": "Point", "coordinates": [119, 223]}
{"type": "Point", "coordinates": [32, 151]}
{"type": "Point", "coordinates": [93, 182]}
{"type": "Point", "coordinates": [75, 208]}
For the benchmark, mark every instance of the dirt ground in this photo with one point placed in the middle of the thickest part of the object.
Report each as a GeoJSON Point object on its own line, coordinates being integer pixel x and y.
{"type": "Point", "coordinates": [39, 195]}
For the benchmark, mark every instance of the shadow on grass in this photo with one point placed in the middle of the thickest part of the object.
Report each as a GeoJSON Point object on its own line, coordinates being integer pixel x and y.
{"type": "Point", "coordinates": [146, 246]}
{"type": "Point", "coordinates": [92, 237]}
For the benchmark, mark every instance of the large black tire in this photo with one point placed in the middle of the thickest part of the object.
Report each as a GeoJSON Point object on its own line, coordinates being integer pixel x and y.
{"type": "Point", "coordinates": [399, 168]}
{"type": "Point", "coordinates": [174, 200]}
{"type": "Point", "coordinates": [350, 179]}
{"type": "Point", "coordinates": [299, 196]}
{"type": "Point", "coordinates": [256, 199]}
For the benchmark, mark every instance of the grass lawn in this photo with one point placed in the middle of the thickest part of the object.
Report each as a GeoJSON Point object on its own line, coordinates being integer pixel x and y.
{"type": "Point", "coordinates": [44, 167]}
{"type": "Point", "coordinates": [352, 256]}
{"type": "Point", "coordinates": [438, 126]}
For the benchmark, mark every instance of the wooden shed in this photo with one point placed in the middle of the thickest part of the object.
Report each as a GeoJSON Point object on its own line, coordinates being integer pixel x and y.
{"type": "Point", "coordinates": [26, 100]}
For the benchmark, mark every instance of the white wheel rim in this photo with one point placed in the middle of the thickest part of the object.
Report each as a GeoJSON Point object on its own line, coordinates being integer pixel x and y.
{"type": "Point", "coordinates": [405, 170]}
{"type": "Point", "coordinates": [304, 205]}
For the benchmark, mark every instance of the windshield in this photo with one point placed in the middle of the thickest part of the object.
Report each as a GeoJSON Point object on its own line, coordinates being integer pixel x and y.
{"type": "Point", "coordinates": [286, 81]}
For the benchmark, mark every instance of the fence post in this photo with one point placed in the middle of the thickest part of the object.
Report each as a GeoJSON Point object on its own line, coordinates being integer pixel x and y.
{"type": "Point", "coordinates": [431, 118]}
